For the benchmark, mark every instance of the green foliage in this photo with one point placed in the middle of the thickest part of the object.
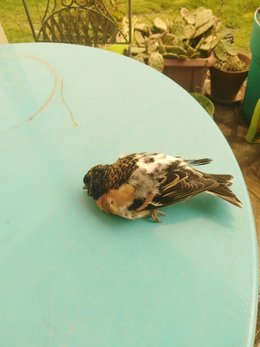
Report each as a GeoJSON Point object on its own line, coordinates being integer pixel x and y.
{"type": "Point", "coordinates": [156, 61]}
{"type": "Point", "coordinates": [237, 16]}
{"type": "Point", "coordinates": [227, 57]}
{"type": "Point", "coordinates": [192, 35]}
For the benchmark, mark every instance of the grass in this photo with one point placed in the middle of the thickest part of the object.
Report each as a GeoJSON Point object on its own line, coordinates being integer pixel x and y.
{"type": "Point", "coordinates": [237, 15]}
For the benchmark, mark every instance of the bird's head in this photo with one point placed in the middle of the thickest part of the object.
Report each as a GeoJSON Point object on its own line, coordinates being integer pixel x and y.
{"type": "Point", "coordinates": [95, 181]}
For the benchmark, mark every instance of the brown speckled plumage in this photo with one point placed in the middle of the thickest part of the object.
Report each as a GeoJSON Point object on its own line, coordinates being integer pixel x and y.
{"type": "Point", "coordinates": [139, 184]}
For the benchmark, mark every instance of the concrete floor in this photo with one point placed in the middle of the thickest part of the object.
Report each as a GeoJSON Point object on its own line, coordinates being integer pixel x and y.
{"type": "Point", "coordinates": [230, 121]}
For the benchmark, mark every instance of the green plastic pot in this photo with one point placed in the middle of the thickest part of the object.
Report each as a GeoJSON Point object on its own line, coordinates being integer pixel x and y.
{"type": "Point", "coordinates": [205, 102]}
{"type": "Point", "coordinates": [253, 81]}
{"type": "Point", "coordinates": [120, 48]}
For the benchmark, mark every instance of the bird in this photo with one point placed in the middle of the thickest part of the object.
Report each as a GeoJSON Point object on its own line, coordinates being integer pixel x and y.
{"type": "Point", "coordinates": [139, 184]}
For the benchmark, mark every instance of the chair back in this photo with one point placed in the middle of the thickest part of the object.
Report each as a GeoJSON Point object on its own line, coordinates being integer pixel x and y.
{"type": "Point", "coordinates": [86, 22]}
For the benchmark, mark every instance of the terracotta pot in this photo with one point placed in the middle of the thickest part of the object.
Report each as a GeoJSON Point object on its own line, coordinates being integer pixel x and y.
{"type": "Point", "coordinates": [226, 84]}
{"type": "Point", "coordinates": [190, 73]}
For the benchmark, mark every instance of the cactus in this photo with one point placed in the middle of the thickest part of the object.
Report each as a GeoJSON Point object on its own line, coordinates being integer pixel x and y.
{"type": "Point", "coordinates": [194, 34]}
{"type": "Point", "coordinates": [139, 38]}
{"type": "Point", "coordinates": [170, 39]}
{"type": "Point", "coordinates": [156, 61]}
{"type": "Point", "coordinates": [175, 49]}
{"type": "Point", "coordinates": [204, 28]}
{"type": "Point", "coordinates": [160, 25]}
{"type": "Point", "coordinates": [202, 17]}
{"type": "Point", "coordinates": [188, 16]}
{"type": "Point", "coordinates": [227, 58]}
{"type": "Point", "coordinates": [209, 42]}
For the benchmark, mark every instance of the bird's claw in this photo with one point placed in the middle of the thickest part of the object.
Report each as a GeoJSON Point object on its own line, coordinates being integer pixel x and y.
{"type": "Point", "coordinates": [154, 215]}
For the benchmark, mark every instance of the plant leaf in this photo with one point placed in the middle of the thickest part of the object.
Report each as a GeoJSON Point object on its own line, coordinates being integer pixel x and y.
{"type": "Point", "coordinates": [204, 28]}
{"type": "Point", "coordinates": [230, 48]}
{"type": "Point", "coordinates": [143, 28]}
{"type": "Point", "coordinates": [209, 42]}
{"type": "Point", "coordinates": [221, 52]}
{"type": "Point", "coordinates": [156, 61]}
{"type": "Point", "coordinates": [139, 39]}
{"type": "Point", "coordinates": [170, 39]}
{"type": "Point", "coordinates": [202, 16]}
{"type": "Point", "coordinates": [152, 45]}
{"type": "Point", "coordinates": [137, 50]}
{"type": "Point", "coordinates": [188, 16]}
{"type": "Point", "coordinates": [175, 49]}
{"type": "Point", "coordinates": [160, 24]}
{"type": "Point", "coordinates": [189, 31]}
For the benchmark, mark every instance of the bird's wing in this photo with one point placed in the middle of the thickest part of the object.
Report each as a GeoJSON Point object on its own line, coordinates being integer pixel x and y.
{"type": "Point", "coordinates": [180, 184]}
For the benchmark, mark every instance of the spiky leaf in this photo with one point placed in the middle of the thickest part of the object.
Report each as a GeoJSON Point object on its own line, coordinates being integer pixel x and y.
{"type": "Point", "coordinates": [195, 55]}
{"type": "Point", "coordinates": [170, 55]}
{"type": "Point", "coordinates": [170, 39]}
{"type": "Point", "coordinates": [175, 49]}
{"type": "Point", "coordinates": [175, 56]}
{"type": "Point", "coordinates": [156, 61]}
{"type": "Point", "coordinates": [202, 16]}
{"type": "Point", "coordinates": [190, 50]}
{"type": "Point", "coordinates": [204, 28]}
{"type": "Point", "coordinates": [189, 31]}
{"type": "Point", "coordinates": [156, 36]}
{"type": "Point", "coordinates": [137, 50]}
{"type": "Point", "coordinates": [230, 48]}
{"type": "Point", "coordinates": [161, 47]}
{"type": "Point", "coordinates": [188, 16]}
{"type": "Point", "coordinates": [143, 28]}
{"type": "Point", "coordinates": [209, 43]}
{"type": "Point", "coordinates": [139, 57]}
{"type": "Point", "coordinates": [160, 24]}
{"type": "Point", "coordinates": [221, 52]}
{"type": "Point", "coordinates": [152, 45]}
{"type": "Point", "coordinates": [182, 57]}
{"type": "Point", "coordinates": [233, 63]}
{"type": "Point", "coordinates": [178, 29]}
{"type": "Point", "coordinates": [139, 38]}
{"type": "Point", "coordinates": [142, 57]}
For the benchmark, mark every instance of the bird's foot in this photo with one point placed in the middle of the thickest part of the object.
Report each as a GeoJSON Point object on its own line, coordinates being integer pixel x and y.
{"type": "Point", "coordinates": [154, 215]}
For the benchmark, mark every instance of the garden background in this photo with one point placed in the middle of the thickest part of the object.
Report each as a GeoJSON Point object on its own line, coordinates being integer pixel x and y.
{"type": "Point", "coordinates": [237, 16]}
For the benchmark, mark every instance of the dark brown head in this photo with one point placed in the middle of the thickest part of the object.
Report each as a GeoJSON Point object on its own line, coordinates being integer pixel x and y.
{"type": "Point", "coordinates": [95, 181]}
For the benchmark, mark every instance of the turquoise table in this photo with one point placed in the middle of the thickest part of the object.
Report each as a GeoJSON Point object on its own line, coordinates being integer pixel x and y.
{"type": "Point", "coordinates": [72, 276]}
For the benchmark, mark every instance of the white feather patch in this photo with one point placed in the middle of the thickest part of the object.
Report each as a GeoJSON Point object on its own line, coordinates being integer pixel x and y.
{"type": "Point", "coordinates": [149, 162]}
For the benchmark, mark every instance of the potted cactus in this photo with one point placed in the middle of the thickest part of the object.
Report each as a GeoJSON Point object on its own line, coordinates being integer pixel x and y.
{"type": "Point", "coordinates": [228, 73]}
{"type": "Point", "coordinates": [182, 48]}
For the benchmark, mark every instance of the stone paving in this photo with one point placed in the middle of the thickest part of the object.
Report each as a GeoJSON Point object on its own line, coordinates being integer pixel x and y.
{"type": "Point", "coordinates": [231, 123]}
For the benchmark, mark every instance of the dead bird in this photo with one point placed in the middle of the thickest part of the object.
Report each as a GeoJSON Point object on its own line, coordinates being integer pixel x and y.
{"type": "Point", "coordinates": [139, 184]}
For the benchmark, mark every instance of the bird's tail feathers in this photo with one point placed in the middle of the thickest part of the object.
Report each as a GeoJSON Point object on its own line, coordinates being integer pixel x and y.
{"type": "Point", "coordinates": [197, 162]}
{"type": "Point", "coordinates": [223, 179]}
{"type": "Point", "coordinates": [223, 192]}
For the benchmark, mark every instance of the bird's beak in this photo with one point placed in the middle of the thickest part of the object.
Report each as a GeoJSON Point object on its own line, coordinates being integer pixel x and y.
{"type": "Point", "coordinates": [85, 188]}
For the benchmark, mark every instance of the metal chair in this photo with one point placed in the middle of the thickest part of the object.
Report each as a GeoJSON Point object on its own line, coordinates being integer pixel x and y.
{"type": "Point", "coordinates": [3, 38]}
{"type": "Point", "coordinates": [86, 22]}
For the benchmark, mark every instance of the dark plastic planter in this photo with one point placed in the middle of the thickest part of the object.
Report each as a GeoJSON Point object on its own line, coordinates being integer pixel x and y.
{"type": "Point", "coordinates": [226, 84]}
{"type": "Point", "coordinates": [190, 73]}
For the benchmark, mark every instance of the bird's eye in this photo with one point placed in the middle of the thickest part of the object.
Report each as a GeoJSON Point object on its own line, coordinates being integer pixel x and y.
{"type": "Point", "coordinates": [88, 183]}
{"type": "Point", "coordinates": [86, 179]}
